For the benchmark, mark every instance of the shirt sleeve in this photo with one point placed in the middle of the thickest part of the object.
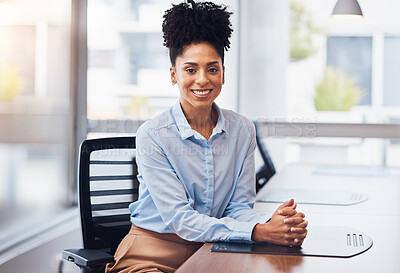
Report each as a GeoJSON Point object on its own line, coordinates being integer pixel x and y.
{"type": "Point", "coordinates": [174, 205]}
{"type": "Point", "coordinates": [241, 205]}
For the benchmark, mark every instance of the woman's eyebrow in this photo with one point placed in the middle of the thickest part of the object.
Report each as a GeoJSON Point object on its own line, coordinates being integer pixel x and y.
{"type": "Point", "coordinates": [211, 63]}
{"type": "Point", "coordinates": [196, 64]}
{"type": "Point", "coordinates": [190, 63]}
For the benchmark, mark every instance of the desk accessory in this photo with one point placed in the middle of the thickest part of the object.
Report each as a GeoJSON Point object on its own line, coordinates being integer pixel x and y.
{"type": "Point", "coordinates": [321, 241]}
{"type": "Point", "coordinates": [315, 197]}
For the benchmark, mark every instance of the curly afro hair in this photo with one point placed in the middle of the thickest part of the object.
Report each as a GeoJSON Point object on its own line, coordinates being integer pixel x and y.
{"type": "Point", "coordinates": [201, 22]}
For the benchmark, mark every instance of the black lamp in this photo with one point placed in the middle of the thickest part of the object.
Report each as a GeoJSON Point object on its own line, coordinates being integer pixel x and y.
{"type": "Point", "coordinates": [347, 7]}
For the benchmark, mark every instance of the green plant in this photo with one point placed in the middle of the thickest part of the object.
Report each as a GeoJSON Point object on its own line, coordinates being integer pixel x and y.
{"type": "Point", "coordinates": [336, 91]}
{"type": "Point", "coordinates": [302, 31]}
{"type": "Point", "coordinates": [11, 84]}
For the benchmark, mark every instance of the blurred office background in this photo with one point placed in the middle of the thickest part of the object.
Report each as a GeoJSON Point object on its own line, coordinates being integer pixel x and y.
{"type": "Point", "coordinates": [71, 70]}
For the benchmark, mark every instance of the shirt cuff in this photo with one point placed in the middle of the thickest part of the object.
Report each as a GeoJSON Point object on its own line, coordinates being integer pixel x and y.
{"type": "Point", "coordinates": [243, 230]}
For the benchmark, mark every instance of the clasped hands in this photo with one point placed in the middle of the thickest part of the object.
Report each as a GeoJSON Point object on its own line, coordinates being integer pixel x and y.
{"type": "Point", "coordinates": [286, 227]}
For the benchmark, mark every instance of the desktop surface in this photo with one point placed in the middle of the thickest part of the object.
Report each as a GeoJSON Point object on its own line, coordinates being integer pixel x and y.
{"type": "Point", "coordinates": [378, 217]}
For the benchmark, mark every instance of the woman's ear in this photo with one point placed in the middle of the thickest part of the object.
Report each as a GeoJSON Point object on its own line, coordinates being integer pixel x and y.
{"type": "Point", "coordinates": [173, 75]}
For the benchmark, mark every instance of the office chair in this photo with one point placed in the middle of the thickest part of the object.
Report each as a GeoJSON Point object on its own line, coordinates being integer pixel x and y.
{"type": "Point", "coordinates": [268, 169]}
{"type": "Point", "coordinates": [107, 185]}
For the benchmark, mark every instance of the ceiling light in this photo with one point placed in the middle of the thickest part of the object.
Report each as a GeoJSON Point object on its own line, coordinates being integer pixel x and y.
{"type": "Point", "coordinates": [347, 7]}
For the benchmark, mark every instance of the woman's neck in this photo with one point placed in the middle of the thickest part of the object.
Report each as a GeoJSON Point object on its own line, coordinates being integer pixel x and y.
{"type": "Point", "coordinates": [203, 121]}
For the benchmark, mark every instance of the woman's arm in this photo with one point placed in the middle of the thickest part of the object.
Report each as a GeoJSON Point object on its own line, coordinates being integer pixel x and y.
{"type": "Point", "coordinates": [240, 206]}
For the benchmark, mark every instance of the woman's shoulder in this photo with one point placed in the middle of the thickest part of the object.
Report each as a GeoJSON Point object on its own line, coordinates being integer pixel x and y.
{"type": "Point", "coordinates": [163, 120]}
{"type": "Point", "coordinates": [233, 117]}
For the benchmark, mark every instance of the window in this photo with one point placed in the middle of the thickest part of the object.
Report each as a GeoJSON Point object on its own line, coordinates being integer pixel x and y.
{"type": "Point", "coordinates": [35, 114]}
{"type": "Point", "coordinates": [128, 66]}
{"type": "Point", "coordinates": [19, 39]}
{"type": "Point", "coordinates": [352, 55]}
{"type": "Point", "coordinates": [363, 49]}
{"type": "Point", "coordinates": [391, 80]}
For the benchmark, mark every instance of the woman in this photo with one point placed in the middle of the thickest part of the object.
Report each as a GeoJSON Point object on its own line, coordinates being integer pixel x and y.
{"type": "Point", "coordinates": [196, 161]}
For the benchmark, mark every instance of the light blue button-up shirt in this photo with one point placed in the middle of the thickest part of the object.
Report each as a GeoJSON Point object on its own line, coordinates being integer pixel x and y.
{"type": "Point", "coordinates": [201, 190]}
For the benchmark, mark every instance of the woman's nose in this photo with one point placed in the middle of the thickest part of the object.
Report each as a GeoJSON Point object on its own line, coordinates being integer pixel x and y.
{"type": "Point", "coordinates": [202, 78]}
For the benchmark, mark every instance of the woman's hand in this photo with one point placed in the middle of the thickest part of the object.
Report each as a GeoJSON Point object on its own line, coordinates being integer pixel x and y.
{"type": "Point", "coordinates": [286, 227]}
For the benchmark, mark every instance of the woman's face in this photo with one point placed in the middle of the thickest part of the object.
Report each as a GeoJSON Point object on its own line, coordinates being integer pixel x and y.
{"type": "Point", "coordinates": [199, 74]}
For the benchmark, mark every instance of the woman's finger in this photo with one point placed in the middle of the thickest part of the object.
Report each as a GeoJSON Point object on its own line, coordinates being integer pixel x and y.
{"type": "Point", "coordinates": [286, 204]}
{"type": "Point", "coordinates": [293, 220]}
{"type": "Point", "coordinates": [303, 224]}
{"type": "Point", "coordinates": [288, 211]}
{"type": "Point", "coordinates": [298, 230]}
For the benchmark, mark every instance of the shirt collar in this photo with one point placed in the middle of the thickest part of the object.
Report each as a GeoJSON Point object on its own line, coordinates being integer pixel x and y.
{"type": "Point", "coordinates": [221, 123]}
{"type": "Point", "coordinates": [183, 126]}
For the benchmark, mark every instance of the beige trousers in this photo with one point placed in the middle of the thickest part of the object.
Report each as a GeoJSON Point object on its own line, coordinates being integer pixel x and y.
{"type": "Point", "coordinates": [147, 251]}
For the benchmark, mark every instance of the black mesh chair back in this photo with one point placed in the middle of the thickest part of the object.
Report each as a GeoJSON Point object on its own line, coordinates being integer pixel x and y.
{"type": "Point", "coordinates": [107, 185]}
{"type": "Point", "coordinates": [268, 169]}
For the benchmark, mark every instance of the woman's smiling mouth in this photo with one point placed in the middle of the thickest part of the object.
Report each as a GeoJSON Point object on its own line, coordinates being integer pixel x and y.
{"type": "Point", "coordinates": [201, 92]}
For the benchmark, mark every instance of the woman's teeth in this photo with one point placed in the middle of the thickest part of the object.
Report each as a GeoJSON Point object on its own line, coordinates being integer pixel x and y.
{"type": "Point", "coordinates": [201, 92]}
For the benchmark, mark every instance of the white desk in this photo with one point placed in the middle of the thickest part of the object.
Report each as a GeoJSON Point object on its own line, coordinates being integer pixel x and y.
{"type": "Point", "coordinates": [379, 217]}
{"type": "Point", "coordinates": [382, 190]}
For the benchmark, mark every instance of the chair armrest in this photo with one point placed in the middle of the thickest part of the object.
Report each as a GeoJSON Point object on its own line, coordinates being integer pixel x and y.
{"type": "Point", "coordinates": [89, 258]}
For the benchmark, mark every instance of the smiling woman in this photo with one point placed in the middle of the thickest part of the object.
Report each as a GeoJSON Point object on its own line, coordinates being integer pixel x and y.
{"type": "Point", "coordinates": [186, 199]}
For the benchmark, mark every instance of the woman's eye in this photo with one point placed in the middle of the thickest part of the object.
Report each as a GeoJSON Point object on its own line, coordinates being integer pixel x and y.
{"type": "Point", "coordinates": [190, 70]}
{"type": "Point", "coordinates": [213, 70]}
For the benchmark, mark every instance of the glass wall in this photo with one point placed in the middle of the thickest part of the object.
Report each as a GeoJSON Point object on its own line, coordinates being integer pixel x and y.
{"type": "Point", "coordinates": [342, 70]}
{"type": "Point", "coordinates": [128, 66]}
{"type": "Point", "coordinates": [290, 60]}
{"type": "Point", "coordinates": [35, 115]}
{"type": "Point", "coordinates": [352, 55]}
{"type": "Point", "coordinates": [391, 80]}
